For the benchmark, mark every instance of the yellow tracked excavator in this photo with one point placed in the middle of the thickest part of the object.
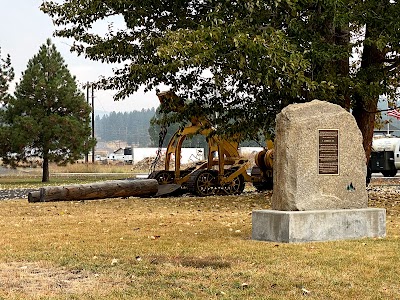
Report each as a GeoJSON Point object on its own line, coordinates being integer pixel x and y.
{"type": "Point", "coordinates": [223, 173]}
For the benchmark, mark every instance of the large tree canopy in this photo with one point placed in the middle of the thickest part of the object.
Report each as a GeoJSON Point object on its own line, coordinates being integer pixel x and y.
{"type": "Point", "coordinates": [243, 61]}
{"type": "Point", "coordinates": [48, 117]}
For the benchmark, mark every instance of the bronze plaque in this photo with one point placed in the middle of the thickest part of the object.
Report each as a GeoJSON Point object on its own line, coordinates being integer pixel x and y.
{"type": "Point", "coordinates": [328, 152]}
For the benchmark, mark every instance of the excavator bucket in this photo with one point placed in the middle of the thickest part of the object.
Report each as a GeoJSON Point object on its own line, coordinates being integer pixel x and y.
{"type": "Point", "coordinates": [167, 189]}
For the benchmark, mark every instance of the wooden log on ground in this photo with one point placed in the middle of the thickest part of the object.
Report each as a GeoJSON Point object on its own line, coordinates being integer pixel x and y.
{"type": "Point", "coordinates": [97, 190]}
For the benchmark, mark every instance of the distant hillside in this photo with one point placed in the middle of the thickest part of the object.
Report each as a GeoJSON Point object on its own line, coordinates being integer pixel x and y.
{"type": "Point", "coordinates": [131, 128]}
{"type": "Point", "coordinates": [101, 113]}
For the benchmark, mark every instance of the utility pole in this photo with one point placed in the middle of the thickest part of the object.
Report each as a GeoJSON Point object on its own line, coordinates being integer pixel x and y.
{"type": "Point", "coordinates": [87, 99]}
{"type": "Point", "coordinates": [93, 124]}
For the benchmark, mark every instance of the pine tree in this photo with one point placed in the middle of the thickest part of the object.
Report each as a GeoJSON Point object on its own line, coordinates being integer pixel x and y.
{"type": "Point", "coordinates": [6, 76]}
{"type": "Point", "coordinates": [49, 116]}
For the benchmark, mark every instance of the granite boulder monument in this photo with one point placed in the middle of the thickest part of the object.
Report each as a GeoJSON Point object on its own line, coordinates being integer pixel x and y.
{"type": "Point", "coordinates": [319, 179]}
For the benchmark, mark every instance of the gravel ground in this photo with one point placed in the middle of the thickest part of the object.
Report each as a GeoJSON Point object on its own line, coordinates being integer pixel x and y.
{"type": "Point", "coordinates": [374, 192]}
{"type": "Point", "coordinates": [379, 187]}
{"type": "Point", "coordinates": [15, 194]}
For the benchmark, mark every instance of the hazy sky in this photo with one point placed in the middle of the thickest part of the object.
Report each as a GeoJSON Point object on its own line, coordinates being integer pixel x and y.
{"type": "Point", "coordinates": [24, 28]}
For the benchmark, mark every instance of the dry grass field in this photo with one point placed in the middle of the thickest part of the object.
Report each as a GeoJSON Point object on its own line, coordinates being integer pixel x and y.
{"type": "Point", "coordinates": [183, 248]}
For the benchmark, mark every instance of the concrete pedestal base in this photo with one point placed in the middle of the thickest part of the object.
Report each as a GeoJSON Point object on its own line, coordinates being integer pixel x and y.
{"type": "Point", "coordinates": [318, 225]}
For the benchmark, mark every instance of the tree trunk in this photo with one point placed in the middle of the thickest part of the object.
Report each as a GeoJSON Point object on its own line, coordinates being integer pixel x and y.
{"type": "Point", "coordinates": [365, 119]}
{"type": "Point", "coordinates": [365, 107]}
{"type": "Point", "coordinates": [45, 174]}
{"type": "Point", "coordinates": [97, 190]}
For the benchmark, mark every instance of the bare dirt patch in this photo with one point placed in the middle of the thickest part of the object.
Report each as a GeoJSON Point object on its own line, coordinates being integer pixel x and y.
{"type": "Point", "coordinates": [38, 279]}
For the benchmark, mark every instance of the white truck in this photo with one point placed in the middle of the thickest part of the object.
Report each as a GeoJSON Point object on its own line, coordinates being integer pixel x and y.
{"type": "Point", "coordinates": [385, 156]}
